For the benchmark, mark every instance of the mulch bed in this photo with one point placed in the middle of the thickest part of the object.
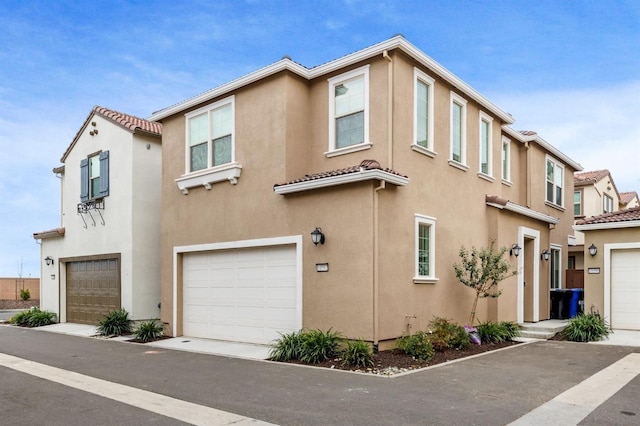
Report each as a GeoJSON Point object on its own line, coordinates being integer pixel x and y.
{"type": "Point", "coordinates": [395, 361]}
{"type": "Point", "coordinates": [19, 304]}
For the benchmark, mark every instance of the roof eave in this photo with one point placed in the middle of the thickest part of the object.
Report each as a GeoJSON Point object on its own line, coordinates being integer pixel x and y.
{"type": "Point", "coordinates": [525, 211]}
{"type": "Point", "coordinates": [607, 225]}
{"type": "Point", "coordinates": [360, 176]}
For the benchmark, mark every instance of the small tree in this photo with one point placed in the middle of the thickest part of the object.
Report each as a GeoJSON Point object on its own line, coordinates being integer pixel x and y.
{"type": "Point", "coordinates": [482, 270]}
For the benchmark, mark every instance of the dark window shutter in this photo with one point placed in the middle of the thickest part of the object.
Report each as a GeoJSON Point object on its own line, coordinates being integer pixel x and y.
{"type": "Point", "coordinates": [84, 179]}
{"type": "Point", "coordinates": [104, 173]}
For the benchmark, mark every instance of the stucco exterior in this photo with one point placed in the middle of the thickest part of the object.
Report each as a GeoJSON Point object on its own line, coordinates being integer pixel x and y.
{"type": "Point", "coordinates": [128, 228]}
{"type": "Point", "coordinates": [281, 134]}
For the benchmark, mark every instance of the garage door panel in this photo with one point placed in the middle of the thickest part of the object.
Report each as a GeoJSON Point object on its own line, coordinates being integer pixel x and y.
{"type": "Point", "coordinates": [92, 290]}
{"type": "Point", "coordinates": [625, 289]}
{"type": "Point", "coordinates": [250, 294]}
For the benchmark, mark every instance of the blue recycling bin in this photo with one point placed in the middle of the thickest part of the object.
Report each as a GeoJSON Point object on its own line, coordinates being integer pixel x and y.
{"type": "Point", "coordinates": [574, 304]}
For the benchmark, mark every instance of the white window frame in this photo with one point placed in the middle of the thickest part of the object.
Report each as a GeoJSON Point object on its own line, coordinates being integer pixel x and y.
{"type": "Point", "coordinates": [578, 191]}
{"type": "Point", "coordinates": [336, 81]}
{"type": "Point", "coordinates": [421, 77]}
{"type": "Point", "coordinates": [208, 110]}
{"type": "Point", "coordinates": [457, 99]}
{"type": "Point", "coordinates": [555, 248]}
{"type": "Point", "coordinates": [485, 118]}
{"type": "Point", "coordinates": [506, 160]}
{"type": "Point", "coordinates": [431, 223]}
{"type": "Point", "coordinates": [559, 165]}
{"type": "Point", "coordinates": [92, 177]}
{"type": "Point", "coordinates": [605, 198]}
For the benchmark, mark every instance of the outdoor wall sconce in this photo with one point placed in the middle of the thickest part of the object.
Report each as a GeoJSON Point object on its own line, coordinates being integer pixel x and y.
{"type": "Point", "coordinates": [317, 236]}
{"type": "Point", "coordinates": [48, 260]}
{"type": "Point", "coordinates": [593, 250]}
{"type": "Point", "coordinates": [515, 250]}
{"type": "Point", "coordinates": [546, 254]}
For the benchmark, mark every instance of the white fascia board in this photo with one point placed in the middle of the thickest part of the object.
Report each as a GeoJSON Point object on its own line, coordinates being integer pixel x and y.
{"type": "Point", "coordinates": [525, 211]}
{"type": "Point", "coordinates": [341, 180]}
{"type": "Point", "coordinates": [397, 42]}
{"type": "Point", "coordinates": [608, 225]}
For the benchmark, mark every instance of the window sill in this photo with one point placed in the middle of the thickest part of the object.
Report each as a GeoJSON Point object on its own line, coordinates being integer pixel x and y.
{"type": "Point", "coordinates": [425, 151]}
{"type": "Point", "coordinates": [506, 182]}
{"type": "Point", "coordinates": [459, 166]}
{"type": "Point", "coordinates": [486, 177]}
{"type": "Point", "coordinates": [425, 280]}
{"type": "Point", "coordinates": [226, 172]}
{"type": "Point", "coordinates": [348, 149]}
{"type": "Point", "coordinates": [555, 206]}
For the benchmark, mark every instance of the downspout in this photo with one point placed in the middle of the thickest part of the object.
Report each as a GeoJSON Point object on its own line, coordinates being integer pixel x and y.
{"type": "Point", "coordinates": [528, 174]}
{"type": "Point", "coordinates": [386, 56]}
{"type": "Point", "coordinates": [376, 265]}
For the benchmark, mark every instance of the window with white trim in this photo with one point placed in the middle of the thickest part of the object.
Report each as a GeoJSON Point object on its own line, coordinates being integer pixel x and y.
{"type": "Point", "coordinates": [349, 110]}
{"type": "Point", "coordinates": [94, 176]}
{"type": "Point", "coordinates": [555, 182]}
{"type": "Point", "coordinates": [577, 203]}
{"type": "Point", "coordinates": [423, 110]}
{"type": "Point", "coordinates": [425, 235]}
{"type": "Point", "coordinates": [210, 136]}
{"type": "Point", "coordinates": [506, 159]}
{"type": "Point", "coordinates": [556, 268]}
{"type": "Point", "coordinates": [607, 203]}
{"type": "Point", "coordinates": [458, 129]}
{"type": "Point", "coordinates": [486, 135]}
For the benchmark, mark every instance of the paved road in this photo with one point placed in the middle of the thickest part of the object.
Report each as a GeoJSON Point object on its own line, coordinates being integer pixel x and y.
{"type": "Point", "coordinates": [494, 389]}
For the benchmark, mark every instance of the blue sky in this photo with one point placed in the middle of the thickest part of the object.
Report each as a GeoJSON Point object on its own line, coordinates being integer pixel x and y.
{"type": "Point", "coordinates": [569, 70]}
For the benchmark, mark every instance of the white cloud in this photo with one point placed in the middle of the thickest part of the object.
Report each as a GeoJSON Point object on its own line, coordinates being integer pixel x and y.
{"type": "Point", "coordinates": [597, 127]}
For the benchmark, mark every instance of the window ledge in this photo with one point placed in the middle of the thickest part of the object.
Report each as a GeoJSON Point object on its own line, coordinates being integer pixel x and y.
{"type": "Point", "coordinates": [423, 150]}
{"type": "Point", "coordinates": [348, 149]}
{"type": "Point", "coordinates": [555, 206]}
{"type": "Point", "coordinates": [486, 177]}
{"type": "Point", "coordinates": [457, 165]}
{"type": "Point", "coordinates": [506, 182]}
{"type": "Point", "coordinates": [425, 280]}
{"type": "Point", "coordinates": [226, 172]}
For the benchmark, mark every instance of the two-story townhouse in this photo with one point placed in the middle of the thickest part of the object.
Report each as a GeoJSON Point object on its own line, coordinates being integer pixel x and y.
{"type": "Point", "coordinates": [339, 196]}
{"type": "Point", "coordinates": [105, 254]}
{"type": "Point", "coordinates": [629, 200]}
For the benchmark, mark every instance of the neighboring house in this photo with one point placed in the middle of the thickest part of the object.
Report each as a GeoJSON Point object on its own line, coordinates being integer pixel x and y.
{"type": "Point", "coordinates": [392, 161]}
{"type": "Point", "coordinates": [612, 278]}
{"type": "Point", "coordinates": [105, 254]}
{"type": "Point", "coordinates": [629, 200]}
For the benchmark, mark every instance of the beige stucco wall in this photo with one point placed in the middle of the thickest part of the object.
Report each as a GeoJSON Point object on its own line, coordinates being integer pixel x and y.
{"type": "Point", "coordinates": [282, 134]}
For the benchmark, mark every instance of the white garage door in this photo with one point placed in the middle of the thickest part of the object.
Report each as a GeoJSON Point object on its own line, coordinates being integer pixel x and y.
{"type": "Point", "coordinates": [245, 295]}
{"type": "Point", "coordinates": [625, 289]}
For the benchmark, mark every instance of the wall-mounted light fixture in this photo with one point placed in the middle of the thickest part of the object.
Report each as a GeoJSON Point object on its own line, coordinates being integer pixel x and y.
{"type": "Point", "coordinates": [317, 236]}
{"type": "Point", "coordinates": [546, 254]}
{"type": "Point", "coordinates": [48, 260]}
{"type": "Point", "coordinates": [593, 250]}
{"type": "Point", "coordinates": [515, 250]}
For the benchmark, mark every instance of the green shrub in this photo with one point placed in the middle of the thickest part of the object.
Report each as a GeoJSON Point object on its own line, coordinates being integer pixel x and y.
{"type": "Point", "coordinates": [586, 328]}
{"type": "Point", "coordinates": [115, 323]}
{"type": "Point", "coordinates": [446, 334]}
{"type": "Point", "coordinates": [417, 345]}
{"type": "Point", "coordinates": [25, 294]}
{"type": "Point", "coordinates": [287, 347]}
{"type": "Point", "coordinates": [357, 353]}
{"type": "Point", "coordinates": [148, 331]}
{"type": "Point", "coordinates": [494, 332]}
{"type": "Point", "coordinates": [318, 346]}
{"type": "Point", "coordinates": [34, 317]}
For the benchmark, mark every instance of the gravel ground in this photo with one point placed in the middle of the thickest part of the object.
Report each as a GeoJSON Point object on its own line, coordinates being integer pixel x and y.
{"type": "Point", "coordinates": [19, 304]}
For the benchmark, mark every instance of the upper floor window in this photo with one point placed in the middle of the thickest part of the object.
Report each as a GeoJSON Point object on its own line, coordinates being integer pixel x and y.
{"type": "Point", "coordinates": [486, 135]}
{"type": "Point", "coordinates": [506, 159]}
{"type": "Point", "coordinates": [425, 228]}
{"type": "Point", "coordinates": [458, 129]}
{"type": "Point", "coordinates": [423, 110]}
{"type": "Point", "coordinates": [556, 268]}
{"type": "Point", "coordinates": [607, 204]}
{"type": "Point", "coordinates": [210, 139]}
{"type": "Point", "coordinates": [94, 176]}
{"type": "Point", "coordinates": [349, 110]}
{"type": "Point", "coordinates": [577, 203]}
{"type": "Point", "coordinates": [555, 182]}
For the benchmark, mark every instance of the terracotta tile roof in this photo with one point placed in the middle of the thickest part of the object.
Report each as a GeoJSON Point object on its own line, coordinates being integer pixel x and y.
{"type": "Point", "coordinates": [51, 233]}
{"type": "Point", "coordinates": [528, 132]}
{"type": "Point", "coordinates": [364, 165]}
{"type": "Point", "coordinates": [587, 178]}
{"type": "Point", "coordinates": [131, 122]}
{"type": "Point", "coordinates": [625, 197]}
{"type": "Point", "coordinates": [626, 215]}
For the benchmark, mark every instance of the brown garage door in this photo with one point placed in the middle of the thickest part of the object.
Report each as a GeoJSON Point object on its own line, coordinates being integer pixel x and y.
{"type": "Point", "coordinates": [93, 289]}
